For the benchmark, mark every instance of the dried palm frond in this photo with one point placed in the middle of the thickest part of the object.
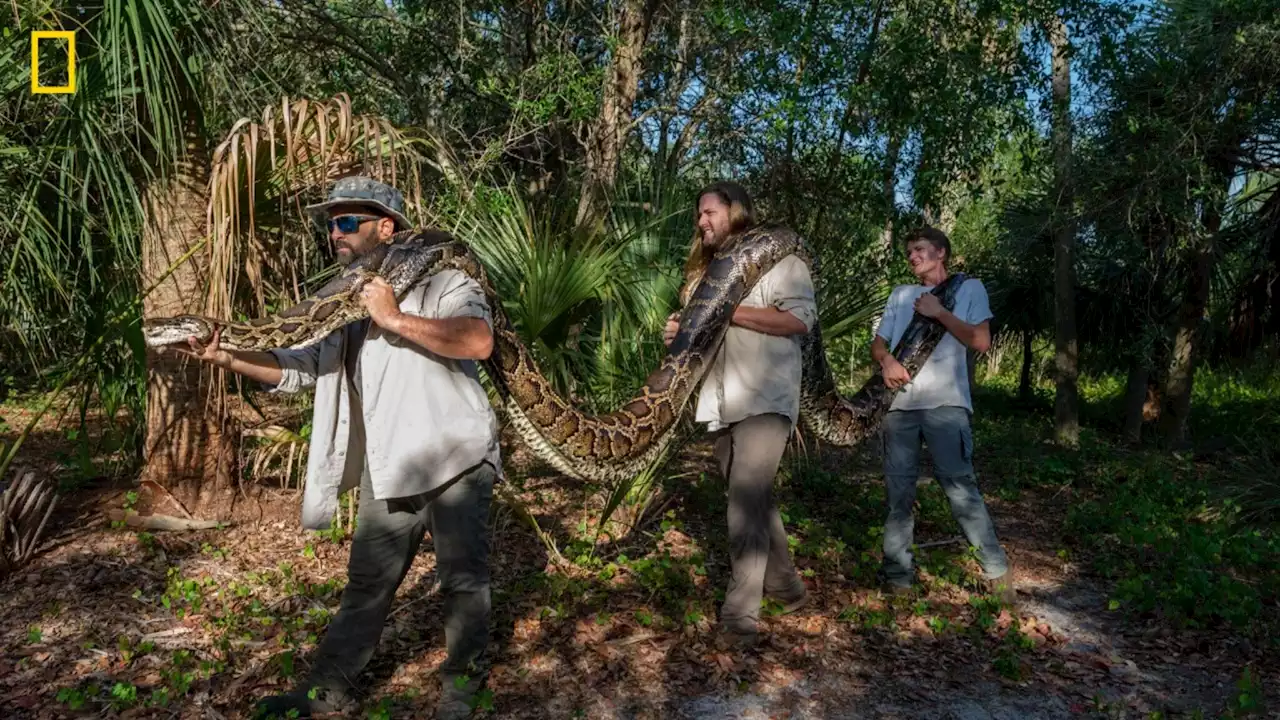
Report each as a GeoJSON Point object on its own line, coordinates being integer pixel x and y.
{"type": "Point", "coordinates": [277, 443]}
{"type": "Point", "coordinates": [25, 507]}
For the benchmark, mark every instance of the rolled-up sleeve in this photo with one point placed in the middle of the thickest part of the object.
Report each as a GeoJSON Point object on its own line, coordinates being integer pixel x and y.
{"type": "Point", "coordinates": [791, 290]}
{"type": "Point", "coordinates": [459, 296]}
{"type": "Point", "coordinates": [298, 368]}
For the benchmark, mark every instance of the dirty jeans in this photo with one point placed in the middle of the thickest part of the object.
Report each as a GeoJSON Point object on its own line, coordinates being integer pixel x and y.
{"type": "Point", "coordinates": [949, 436]}
{"type": "Point", "coordinates": [387, 536]}
{"type": "Point", "coordinates": [749, 453]}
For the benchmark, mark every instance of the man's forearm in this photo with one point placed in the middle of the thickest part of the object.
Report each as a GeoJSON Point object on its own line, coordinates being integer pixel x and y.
{"type": "Point", "coordinates": [459, 338]}
{"type": "Point", "coordinates": [879, 350]}
{"type": "Point", "coordinates": [260, 366]}
{"type": "Point", "coordinates": [770, 321]}
{"type": "Point", "coordinates": [976, 337]}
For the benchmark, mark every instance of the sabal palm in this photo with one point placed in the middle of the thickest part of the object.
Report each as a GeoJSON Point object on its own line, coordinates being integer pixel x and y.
{"type": "Point", "coordinates": [84, 165]}
{"type": "Point", "coordinates": [87, 157]}
{"type": "Point", "coordinates": [590, 306]}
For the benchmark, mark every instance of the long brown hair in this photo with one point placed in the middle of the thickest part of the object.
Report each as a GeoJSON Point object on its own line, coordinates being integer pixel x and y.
{"type": "Point", "coordinates": [742, 215]}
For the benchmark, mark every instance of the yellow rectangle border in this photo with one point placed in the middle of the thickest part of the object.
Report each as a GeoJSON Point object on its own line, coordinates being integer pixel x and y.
{"type": "Point", "coordinates": [36, 37]}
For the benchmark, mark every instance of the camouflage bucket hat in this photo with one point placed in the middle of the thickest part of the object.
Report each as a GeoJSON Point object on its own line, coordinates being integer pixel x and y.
{"type": "Point", "coordinates": [361, 190]}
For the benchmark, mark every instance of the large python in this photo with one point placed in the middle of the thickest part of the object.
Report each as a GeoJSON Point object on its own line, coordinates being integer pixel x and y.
{"type": "Point", "coordinates": [619, 444]}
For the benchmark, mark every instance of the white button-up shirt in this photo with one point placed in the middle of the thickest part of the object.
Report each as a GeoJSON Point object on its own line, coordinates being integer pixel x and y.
{"type": "Point", "coordinates": [755, 373]}
{"type": "Point", "coordinates": [418, 419]}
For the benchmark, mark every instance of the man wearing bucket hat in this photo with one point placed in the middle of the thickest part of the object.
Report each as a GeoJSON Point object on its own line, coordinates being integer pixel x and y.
{"type": "Point", "coordinates": [399, 412]}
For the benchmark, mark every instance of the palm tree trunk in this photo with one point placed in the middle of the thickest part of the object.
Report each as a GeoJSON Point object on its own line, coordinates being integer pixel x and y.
{"type": "Point", "coordinates": [186, 450]}
{"type": "Point", "coordinates": [1066, 406]}
{"type": "Point", "coordinates": [1182, 366]}
{"type": "Point", "coordinates": [1191, 312]}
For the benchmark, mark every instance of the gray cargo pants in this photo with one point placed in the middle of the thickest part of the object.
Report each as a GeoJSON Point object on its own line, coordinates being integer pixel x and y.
{"type": "Point", "coordinates": [386, 540]}
{"type": "Point", "coordinates": [749, 453]}
{"type": "Point", "coordinates": [949, 436]}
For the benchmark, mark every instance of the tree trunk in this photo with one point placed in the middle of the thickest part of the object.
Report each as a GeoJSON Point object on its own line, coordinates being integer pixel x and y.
{"type": "Point", "coordinates": [1135, 398]}
{"type": "Point", "coordinates": [1191, 312]}
{"type": "Point", "coordinates": [671, 155]}
{"type": "Point", "coordinates": [185, 449]}
{"type": "Point", "coordinates": [1024, 378]}
{"type": "Point", "coordinates": [888, 194]}
{"type": "Point", "coordinates": [1066, 405]}
{"type": "Point", "coordinates": [1182, 365]}
{"type": "Point", "coordinates": [684, 141]}
{"type": "Point", "coordinates": [609, 133]}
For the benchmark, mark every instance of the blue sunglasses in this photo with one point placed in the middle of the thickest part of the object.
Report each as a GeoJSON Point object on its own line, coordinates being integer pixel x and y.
{"type": "Point", "coordinates": [348, 224]}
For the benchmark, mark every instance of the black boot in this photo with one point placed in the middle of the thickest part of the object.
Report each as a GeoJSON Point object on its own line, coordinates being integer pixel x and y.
{"type": "Point", "coordinates": [299, 704]}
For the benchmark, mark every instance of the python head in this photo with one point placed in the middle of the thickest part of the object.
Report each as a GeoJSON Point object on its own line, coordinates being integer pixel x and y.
{"type": "Point", "coordinates": [175, 330]}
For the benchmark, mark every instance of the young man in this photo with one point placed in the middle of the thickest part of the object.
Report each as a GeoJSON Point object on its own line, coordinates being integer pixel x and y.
{"type": "Point", "coordinates": [935, 406]}
{"type": "Point", "coordinates": [399, 412]}
{"type": "Point", "coordinates": [750, 398]}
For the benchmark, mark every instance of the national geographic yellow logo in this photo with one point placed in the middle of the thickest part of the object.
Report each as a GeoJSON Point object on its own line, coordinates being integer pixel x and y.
{"type": "Point", "coordinates": [36, 37]}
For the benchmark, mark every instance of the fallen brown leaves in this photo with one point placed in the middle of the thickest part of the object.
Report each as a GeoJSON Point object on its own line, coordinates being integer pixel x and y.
{"type": "Point", "coordinates": [124, 622]}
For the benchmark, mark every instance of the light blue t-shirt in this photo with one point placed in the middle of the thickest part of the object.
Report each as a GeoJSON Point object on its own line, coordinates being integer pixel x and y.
{"type": "Point", "coordinates": [944, 379]}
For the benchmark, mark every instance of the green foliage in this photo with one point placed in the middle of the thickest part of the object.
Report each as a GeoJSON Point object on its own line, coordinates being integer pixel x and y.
{"type": "Point", "coordinates": [1176, 538]}
{"type": "Point", "coordinates": [1003, 236]}
{"type": "Point", "coordinates": [590, 307]}
{"type": "Point", "coordinates": [75, 165]}
{"type": "Point", "coordinates": [1184, 94]}
{"type": "Point", "coordinates": [73, 171]}
{"type": "Point", "coordinates": [1173, 544]}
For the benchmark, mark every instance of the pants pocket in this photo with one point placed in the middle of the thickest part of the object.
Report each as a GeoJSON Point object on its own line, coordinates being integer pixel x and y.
{"type": "Point", "coordinates": [966, 445]}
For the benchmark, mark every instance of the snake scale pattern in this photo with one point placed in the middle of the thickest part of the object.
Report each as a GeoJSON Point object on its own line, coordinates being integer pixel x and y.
{"type": "Point", "coordinates": [607, 447]}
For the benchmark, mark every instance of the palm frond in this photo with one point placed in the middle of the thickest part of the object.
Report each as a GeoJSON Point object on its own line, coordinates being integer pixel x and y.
{"type": "Point", "coordinates": [85, 157]}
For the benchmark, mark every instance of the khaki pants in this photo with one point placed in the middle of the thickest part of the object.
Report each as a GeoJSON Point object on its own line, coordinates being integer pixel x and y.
{"type": "Point", "coordinates": [749, 452]}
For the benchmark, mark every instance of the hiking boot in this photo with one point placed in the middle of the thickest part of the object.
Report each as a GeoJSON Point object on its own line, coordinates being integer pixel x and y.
{"type": "Point", "coordinates": [1002, 588]}
{"type": "Point", "coordinates": [736, 635]}
{"type": "Point", "coordinates": [299, 704]}
{"type": "Point", "coordinates": [794, 605]}
{"type": "Point", "coordinates": [894, 589]}
{"type": "Point", "coordinates": [792, 601]}
{"type": "Point", "coordinates": [457, 697]}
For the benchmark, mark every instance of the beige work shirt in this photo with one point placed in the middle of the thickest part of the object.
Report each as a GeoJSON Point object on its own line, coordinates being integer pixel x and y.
{"type": "Point", "coordinates": [756, 373]}
{"type": "Point", "coordinates": [418, 419]}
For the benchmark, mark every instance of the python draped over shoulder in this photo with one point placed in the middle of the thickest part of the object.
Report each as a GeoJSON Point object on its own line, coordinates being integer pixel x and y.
{"type": "Point", "coordinates": [604, 447]}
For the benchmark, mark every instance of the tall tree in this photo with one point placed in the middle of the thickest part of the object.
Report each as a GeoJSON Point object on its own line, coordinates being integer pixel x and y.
{"type": "Point", "coordinates": [1066, 404]}
{"type": "Point", "coordinates": [609, 133]}
{"type": "Point", "coordinates": [1187, 94]}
